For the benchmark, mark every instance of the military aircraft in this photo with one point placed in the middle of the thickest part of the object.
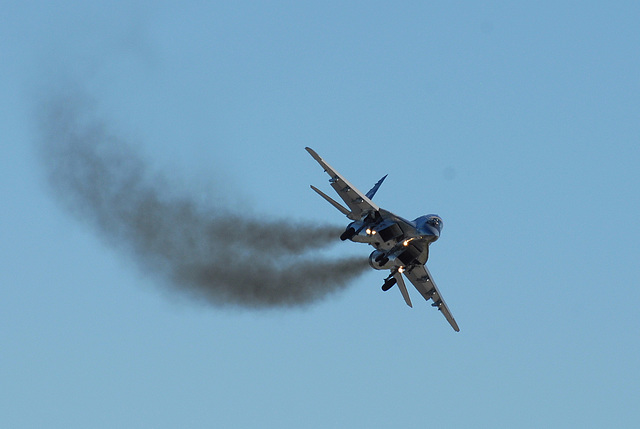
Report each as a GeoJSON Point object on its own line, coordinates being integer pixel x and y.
{"type": "Point", "coordinates": [401, 246]}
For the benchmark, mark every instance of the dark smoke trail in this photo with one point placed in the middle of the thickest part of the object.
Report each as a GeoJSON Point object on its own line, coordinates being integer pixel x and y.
{"type": "Point", "coordinates": [224, 257]}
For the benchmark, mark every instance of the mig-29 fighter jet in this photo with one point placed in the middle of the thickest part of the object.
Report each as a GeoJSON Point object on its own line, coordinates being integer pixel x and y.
{"type": "Point", "coordinates": [401, 246]}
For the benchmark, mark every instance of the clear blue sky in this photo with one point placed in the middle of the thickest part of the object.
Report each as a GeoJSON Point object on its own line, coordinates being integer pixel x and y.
{"type": "Point", "coordinates": [519, 124]}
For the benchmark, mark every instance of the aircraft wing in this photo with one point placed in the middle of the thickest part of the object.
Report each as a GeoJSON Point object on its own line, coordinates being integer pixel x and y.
{"type": "Point", "coordinates": [422, 280]}
{"type": "Point", "coordinates": [357, 202]}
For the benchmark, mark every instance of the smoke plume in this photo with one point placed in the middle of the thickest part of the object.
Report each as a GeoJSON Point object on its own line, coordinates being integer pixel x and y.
{"type": "Point", "coordinates": [210, 251]}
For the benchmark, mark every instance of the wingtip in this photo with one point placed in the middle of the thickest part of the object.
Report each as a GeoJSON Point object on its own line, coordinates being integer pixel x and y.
{"type": "Point", "coordinates": [315, 156]}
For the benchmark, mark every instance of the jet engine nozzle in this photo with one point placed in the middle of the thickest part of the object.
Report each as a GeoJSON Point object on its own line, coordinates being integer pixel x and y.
{"type": "Point", "coordinates": [381, 261]}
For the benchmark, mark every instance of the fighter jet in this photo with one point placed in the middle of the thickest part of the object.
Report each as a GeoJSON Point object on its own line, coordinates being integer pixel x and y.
{"type": "Point", "coordinates": [401, 246]}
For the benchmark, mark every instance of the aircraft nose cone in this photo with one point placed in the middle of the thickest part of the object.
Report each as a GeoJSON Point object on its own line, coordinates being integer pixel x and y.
{"type": "Point", "coordinates": [428, 230]}
{"type": "Point", "coordinates": [432, 231]}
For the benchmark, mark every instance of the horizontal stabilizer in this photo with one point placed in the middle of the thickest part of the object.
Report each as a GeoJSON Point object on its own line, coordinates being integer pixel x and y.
{"type": "Point", "coordinates": [403, 288]}
{"type": "Point", "coordinates": [333, 202]}
{"type": "Point", "coordinates": [358, 203]}
{"type": "Point", "coordinates": [375, 188]}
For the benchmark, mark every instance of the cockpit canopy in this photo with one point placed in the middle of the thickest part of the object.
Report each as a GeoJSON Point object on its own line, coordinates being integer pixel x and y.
{"type": "Point", "coordinates": [435, 220]}
{"type": "Point", "coordinates": [428, 222]}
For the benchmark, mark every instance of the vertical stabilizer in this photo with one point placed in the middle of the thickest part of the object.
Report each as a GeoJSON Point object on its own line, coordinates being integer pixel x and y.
{"type": "Point", "coordinates": [375, 188]}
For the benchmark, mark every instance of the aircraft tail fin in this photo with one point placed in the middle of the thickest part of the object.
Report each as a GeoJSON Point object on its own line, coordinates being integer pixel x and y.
{"type": "Point", "coordinates": [375, 188]}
